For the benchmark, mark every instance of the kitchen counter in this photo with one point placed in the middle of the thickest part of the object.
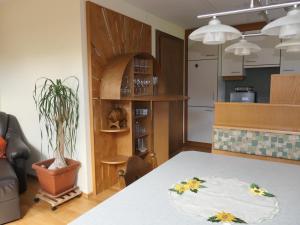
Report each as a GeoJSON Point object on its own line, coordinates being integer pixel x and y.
{"type": "Point", "coordinates": [280, 117]}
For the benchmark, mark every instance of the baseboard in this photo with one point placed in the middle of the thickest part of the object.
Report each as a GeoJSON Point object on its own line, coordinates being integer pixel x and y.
{"type": "Point", "coordinates": [199, 146]}
{"type": "Point", "coordinates": [87, 195]}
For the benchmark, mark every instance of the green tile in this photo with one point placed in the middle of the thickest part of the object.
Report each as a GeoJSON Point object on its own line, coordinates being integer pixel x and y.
{"type": "Point", "coordinates": [289, 145]}
{"type": "Point", "coordinates": [263, 151]}
{"type": "Point", "coordinates": [254, 142]}
{"type": "Point", "coordinates": [273, 139]}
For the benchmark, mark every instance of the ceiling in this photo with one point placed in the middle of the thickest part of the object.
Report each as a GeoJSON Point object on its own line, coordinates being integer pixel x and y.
{"type": "Point", "coordinates": [184, 12]}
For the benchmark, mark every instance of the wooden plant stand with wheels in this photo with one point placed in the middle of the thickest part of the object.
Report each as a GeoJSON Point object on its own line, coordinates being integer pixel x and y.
{"type": "Point", "coordinates": [57, 200]}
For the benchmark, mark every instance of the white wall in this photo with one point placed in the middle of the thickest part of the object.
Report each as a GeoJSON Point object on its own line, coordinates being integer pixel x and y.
{"type": "Point", "coordinates": [41, 38]}
{"type": "Point", "coordinates": [48, 38]}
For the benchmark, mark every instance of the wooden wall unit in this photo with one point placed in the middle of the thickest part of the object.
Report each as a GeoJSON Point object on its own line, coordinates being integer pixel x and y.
{"type": "Point", "coordinates": [285, 89]}
{"type": "Point", "coordinates": [260, 116]}
{"type": "Point", "coordinates": [117, 47]}
{"type": "Point", "coordinates": [110, 34]}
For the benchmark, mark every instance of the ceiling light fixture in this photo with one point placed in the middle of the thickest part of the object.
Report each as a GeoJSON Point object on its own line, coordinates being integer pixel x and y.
{"type": "Point", "coordinates": [242, 48]}
{"type": "Point", "coordinates": [249, 10]}
{"type": "Point", "coordinates": [215, 33]}
{"type": "Point", "coordinates": [285, 27]}
{"type": "Point", "coordinates": [291, 45]}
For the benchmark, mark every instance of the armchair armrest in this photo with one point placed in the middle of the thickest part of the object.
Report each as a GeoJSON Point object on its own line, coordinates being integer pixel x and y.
{"type": "Point", "coordinates": [16, 148]}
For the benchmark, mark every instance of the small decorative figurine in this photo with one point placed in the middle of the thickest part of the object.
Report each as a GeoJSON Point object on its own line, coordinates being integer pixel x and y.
{"type": "Point", "coordinates": [117, 118]}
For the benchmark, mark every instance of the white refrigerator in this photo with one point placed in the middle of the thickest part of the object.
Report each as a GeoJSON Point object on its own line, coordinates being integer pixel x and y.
{"type": "Point", "coordinates": [202, 90]}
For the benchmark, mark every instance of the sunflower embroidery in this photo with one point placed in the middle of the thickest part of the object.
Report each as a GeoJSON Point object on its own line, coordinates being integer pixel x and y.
{"type": "Point", "coordinates": [225, 217]}
{"type": "Point", "coordinates": [193, 185]}
{"type": "Point", "coordinates": [256, 190]}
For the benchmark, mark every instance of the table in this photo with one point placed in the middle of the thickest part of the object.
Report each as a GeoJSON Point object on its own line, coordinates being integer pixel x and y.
{"type": "Point", "coordinates": [147, 201]}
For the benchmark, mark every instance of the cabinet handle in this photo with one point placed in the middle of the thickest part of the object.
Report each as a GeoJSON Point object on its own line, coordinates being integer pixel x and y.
{"type": "Point", "coordinates": [196, 65]}
{"type": "Point", "coordinates": [288, 70]}
{"type": "Point", "coordinates": [236, 72]}
{"type": "Point", "coordinates": [208, 110]}
{"type": "Point", "coordinates": [209, 55]}
{"type": "Point", "coordinates": [251, 61]}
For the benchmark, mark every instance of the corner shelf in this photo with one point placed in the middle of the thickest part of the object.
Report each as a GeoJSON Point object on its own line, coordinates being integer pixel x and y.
{"type": "Point", "coordinates": [115, 130]}
{"type": "Point", "coordinates": [115, 160]}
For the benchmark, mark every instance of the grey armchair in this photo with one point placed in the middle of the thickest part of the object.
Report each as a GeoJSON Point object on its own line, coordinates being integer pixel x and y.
{"type": "Point", "coordinates": [12, 168]}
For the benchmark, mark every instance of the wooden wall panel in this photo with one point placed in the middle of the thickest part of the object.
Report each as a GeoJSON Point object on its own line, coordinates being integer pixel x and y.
{"type": "Point", "coordinates": [259, 116]}
{"type": "Point", "coordinates": [285, 89]}
{"type": "Point", "coordinates": [170, 55]}
{"type": "Point", "coordinates": [161, 130]}
{"type": "Point", "coordinates": [110, 34]}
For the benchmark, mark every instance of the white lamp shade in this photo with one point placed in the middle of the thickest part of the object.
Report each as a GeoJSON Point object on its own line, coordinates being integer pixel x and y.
{"type": "Point", "coordinates": [215, 33]}
{"type": "Point", "coordinates": [243, 47]}
{"type": "Point", "coordinates": [292, 45]}
{"type": "Point", "coordinates": [285, 27]}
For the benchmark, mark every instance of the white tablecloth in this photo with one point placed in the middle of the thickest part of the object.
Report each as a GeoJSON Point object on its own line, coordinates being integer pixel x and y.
{"type": "Point", "coordinates": [147, 201]}
{"type": "Point", "coordinates": [219, 196]}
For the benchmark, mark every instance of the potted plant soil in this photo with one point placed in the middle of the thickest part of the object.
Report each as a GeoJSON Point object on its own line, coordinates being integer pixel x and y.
{"type": "Point", "coordinates": [57, 105]}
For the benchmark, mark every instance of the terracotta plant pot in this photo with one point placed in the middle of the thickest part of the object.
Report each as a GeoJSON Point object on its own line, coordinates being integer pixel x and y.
{"type": "Point", "coordinates": [56, 181]}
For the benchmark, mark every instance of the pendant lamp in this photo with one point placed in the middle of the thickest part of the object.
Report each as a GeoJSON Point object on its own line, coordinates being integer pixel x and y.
{"type": "Point", "coordinates": [285, 27]}
{"type": "Point", "coordinates": [292, 45]}
{"type": "Point", "coordinates": [215, 33]}
{"type": "Point", "coordinates": [243, 47]}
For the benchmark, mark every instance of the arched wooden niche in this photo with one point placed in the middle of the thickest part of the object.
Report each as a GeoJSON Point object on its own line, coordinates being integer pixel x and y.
{"type": "Point", "coordinates": [127, 68]}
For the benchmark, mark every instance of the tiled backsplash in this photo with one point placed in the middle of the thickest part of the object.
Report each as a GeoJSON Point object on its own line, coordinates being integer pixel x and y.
{"type": "Point", "coordinates": [279, 145]}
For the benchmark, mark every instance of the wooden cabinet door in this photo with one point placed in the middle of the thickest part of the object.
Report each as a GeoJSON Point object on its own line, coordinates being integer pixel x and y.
{"type": "Point", "coordinates": [290, 62]}
{"type": "Point", "coordinates": [232, 65]}
{"type": "Point", "coordinates": [200, 123]}
{"type": "Point", "coordinates": [199, 51]}
{"type": "Point", "coordinates": [269, 56]}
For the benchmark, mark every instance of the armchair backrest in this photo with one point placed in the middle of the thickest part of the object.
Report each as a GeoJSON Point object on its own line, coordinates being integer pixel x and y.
{"type": "Point", "coordinates": [3, 124]}
{"type": "Point", "coordinates": [14, 128]}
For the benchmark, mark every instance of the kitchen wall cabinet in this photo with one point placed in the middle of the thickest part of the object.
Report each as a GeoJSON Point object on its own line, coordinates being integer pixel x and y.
{"type": "Point", "coordinates": [199, 51]}
{"type": "Point", "coordinates": [290, 62]}
{"type": "Point", "coordinates": [200, 124]}
{"type": "Point", "coordinates": [232, 65]}
{"type": "Point", "coordinates": [269, 56]}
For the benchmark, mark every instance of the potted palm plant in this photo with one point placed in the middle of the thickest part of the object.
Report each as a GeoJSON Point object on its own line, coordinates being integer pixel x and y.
{"type": "Point", "coordinates": [57, 104]}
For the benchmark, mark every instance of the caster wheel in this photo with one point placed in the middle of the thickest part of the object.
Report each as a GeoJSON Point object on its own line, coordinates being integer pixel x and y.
{"type": "Point", "coordinates": [36, 199]}
{"type": "Point", "coordinates": [53, 208]}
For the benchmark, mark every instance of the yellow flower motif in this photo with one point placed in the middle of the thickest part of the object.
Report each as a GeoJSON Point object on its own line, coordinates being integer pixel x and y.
{"type": "Point", "coordinates": [180, 188]}
{"type": "Point", "coordinates": [225, 217]}
{"type": "Point", "coordinates": [194, 184]}
{"type": "Point", "coordinates": [257, 191]}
